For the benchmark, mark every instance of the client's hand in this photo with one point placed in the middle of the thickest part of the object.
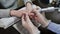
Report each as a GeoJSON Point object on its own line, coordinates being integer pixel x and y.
{"type": "Point", "coordinates": [17, 13]}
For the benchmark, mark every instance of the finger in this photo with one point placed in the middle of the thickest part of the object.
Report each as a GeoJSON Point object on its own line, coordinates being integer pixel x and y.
{"type": "Point", "coordinates": [27, 18]}
{"type": "Point", "coordinates": [29, 7]}
{"type": "Point", "coordinates": [37, 9]}
{"type": "Point", "coordinates": [23, 21]}
{"type": "Point", "coordinates": [31, 14]}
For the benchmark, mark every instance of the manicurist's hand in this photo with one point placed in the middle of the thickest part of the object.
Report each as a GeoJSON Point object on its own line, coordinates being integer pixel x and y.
{"type": "Point", "coordinates": [40, 18]}
{"type": "Point", "coordinates": [26, 22]}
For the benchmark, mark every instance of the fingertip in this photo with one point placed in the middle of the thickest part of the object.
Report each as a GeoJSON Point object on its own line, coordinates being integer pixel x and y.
{"type": "Point", "coordinates": [31, 14]}
{"type": "Point", "coordinates": [23, 18]}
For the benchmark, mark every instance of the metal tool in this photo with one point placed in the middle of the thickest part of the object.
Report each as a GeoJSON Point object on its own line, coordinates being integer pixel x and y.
{"type": "Point", "coordinates": [49, 9]}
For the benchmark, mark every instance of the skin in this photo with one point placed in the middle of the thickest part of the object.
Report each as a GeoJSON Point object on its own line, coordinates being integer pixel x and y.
{"type": "Point", "coordinates": [29, 7]}
{"type": "Point", "coordinates": [40, 18]}
{"type": "Point", "coordinates": [26, 22]}
{"type": "Point", "coordinates": [19, 13]}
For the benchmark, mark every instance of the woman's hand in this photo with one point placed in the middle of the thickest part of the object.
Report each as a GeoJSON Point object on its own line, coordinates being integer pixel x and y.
{"type": "Point", "coordinates": [40, 18]}
{"type": "Point", "coordinates": [17, 13]}
{"type": "Point", "coordinates": [26, 22]}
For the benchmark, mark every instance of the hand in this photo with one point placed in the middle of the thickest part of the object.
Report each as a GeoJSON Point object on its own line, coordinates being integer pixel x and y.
{"type": "Point", "coordinates": [20, 12]}
{"type": "Point", "coordinates": [29, 7]}
{"type": "Point", "coordinates": [40, 18]}
{"type": "Point", "coordinates": [17, 13]}
{"type": "Point", "coordinates": [28, 24]}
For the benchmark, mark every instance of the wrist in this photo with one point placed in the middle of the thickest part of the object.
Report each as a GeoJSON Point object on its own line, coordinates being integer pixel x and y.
{"type": "Point", "coordinates": [13, 12]}
{"type": "Point", "coordinates": [46, 23]}
{"type": "Point", "coordinates": [35, 30]}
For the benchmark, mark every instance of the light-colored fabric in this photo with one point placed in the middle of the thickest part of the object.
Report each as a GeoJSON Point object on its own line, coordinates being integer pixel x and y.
{"type": "Point", "coordinates": [4, 13]}
{"type": "Point", "coordinates": [6, 22]}
{"type": "Point", "coordinates": [54, 27]}
{"type": "Point", "coordinates": [8, 3]}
